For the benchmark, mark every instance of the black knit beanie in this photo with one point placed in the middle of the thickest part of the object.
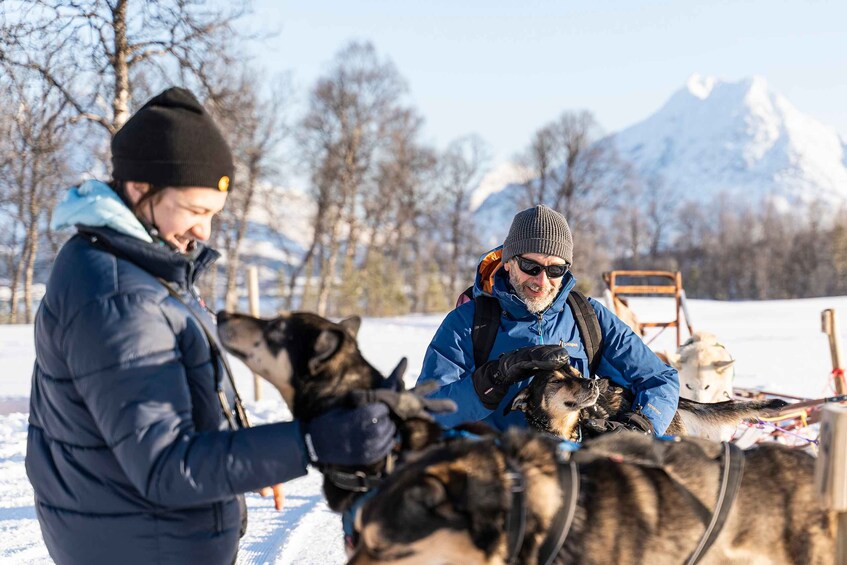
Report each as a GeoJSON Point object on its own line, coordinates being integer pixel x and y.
{"type": "Point", "coordinates": [539, 230]}
{"type": "Point", "coordinates": [172, 141]}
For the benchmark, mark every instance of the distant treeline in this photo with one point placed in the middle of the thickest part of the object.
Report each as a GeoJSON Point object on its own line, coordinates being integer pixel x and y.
{"type": "Point", "coordinates": [737, 252]}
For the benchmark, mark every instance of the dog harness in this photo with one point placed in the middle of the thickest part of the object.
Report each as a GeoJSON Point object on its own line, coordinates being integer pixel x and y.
{"type": "Point", "coordinates": [568, 477]}
{"type": "Point", "coordinates": [732, 471]}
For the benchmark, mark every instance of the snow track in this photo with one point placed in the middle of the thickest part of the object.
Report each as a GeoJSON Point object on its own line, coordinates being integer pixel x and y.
{"type": "Point", "coordinates": [305, 531]}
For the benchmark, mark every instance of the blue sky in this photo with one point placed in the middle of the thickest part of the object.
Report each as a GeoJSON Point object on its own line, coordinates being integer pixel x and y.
{"type": "Point", "coordinates": [502, 69]}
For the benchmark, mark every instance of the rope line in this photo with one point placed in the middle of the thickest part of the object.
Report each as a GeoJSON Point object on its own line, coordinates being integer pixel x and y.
{"type": "Point", "coordinates": [762, 423]}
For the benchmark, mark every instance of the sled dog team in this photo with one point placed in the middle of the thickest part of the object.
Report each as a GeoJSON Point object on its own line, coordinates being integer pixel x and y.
{"type": "Point", "coordinates": [139, 449]}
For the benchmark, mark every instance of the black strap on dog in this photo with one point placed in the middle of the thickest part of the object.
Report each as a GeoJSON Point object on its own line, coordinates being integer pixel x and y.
{"type": "Point", "coordinates": [357, 481]}
{"type": "Point", "coordinates": [516, 515]}
{"type": "Point", "coordinates": [558, 532]}
{"type": "Point", "coordinates": [568, 475]}
{"type": "Point", "coordinates": [732, 464]}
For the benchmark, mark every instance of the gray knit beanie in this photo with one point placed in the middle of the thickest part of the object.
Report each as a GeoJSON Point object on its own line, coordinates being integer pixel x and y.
{"type": "Point", "coordinates": [539, 230]}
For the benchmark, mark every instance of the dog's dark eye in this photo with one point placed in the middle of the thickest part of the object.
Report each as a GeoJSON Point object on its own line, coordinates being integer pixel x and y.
{"type": "Point", "coordinates": [688, 386]}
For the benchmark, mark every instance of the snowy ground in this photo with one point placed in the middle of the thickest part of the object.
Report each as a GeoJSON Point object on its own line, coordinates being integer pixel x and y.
{"type": "Point", "coordinates": [778, 346]}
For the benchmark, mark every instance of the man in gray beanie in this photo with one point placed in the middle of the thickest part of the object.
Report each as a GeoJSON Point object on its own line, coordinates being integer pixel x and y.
{"type": "Point", "coordinates": [523, 315]}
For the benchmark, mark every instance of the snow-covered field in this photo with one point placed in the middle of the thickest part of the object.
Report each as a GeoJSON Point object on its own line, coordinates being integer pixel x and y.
{"type": "Point", "coordinates": [778, 346]}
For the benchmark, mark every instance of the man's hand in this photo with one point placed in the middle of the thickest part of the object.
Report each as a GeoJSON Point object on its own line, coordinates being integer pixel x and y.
{"type": "Point", "coordinates": [405, 405]}
{"type": "Point", "coordinates": [492, 380]}
{"type": "Point", "coordinates": [363, 430]}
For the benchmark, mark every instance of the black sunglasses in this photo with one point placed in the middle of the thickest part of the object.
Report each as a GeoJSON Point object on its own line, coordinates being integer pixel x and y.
{"type": "Point", "coordinates": [532, 268]}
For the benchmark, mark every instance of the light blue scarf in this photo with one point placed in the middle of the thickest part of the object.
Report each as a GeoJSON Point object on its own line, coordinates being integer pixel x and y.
{"type": "Point", "coordinates": [95, 204]}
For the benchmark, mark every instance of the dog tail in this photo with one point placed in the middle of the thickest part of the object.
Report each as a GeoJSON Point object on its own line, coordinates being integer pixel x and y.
{"type": "Point", "coordinates": [732, 409]}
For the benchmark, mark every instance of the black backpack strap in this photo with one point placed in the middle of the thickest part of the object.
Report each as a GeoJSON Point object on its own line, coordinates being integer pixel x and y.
{"type": "Point", "coordinates": [589, 328]}
{"type": "Point", "coordinates": [486, 322]}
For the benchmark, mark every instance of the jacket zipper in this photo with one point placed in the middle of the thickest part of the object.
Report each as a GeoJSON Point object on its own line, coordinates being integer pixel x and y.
{"type": "Point", "coordinates": [541, 328]}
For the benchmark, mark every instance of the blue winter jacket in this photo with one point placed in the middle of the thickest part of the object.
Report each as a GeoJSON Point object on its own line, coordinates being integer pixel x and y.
{"type": "Point", "coordinates": [626, 360]}
{"type": "Point", "coordinates": [129, 452]}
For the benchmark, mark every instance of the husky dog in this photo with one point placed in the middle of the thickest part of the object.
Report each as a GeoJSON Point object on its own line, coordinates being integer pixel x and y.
{"type": "Point", "coordinates": [561, 402]}
{"type": "Point", "coordinates": [629, 498]}
{"type": "Point", "coordinates": [705, 368]}
{"type": "Point", "coordinates": [315, 364]}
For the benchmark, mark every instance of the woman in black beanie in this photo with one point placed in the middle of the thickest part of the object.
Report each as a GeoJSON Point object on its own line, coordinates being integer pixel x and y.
{"type": "Point", "coordinates": [137, 448]}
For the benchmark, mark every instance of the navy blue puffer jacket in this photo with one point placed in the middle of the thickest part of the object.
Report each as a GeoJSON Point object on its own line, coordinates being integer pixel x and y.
{"type": "Point", "coordinates": [129, 453]}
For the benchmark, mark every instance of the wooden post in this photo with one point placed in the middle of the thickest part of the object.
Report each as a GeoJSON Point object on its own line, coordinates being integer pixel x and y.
{"type": "Point", "coordinates": [829, 323]}
{"type": "Point", "coordinates": [831, 471]}
{"type": "Point", "coordinates": [253, 301]}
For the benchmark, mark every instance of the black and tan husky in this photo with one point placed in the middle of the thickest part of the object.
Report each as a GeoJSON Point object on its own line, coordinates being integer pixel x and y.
{"type": "Point", "coordinates": [314, 363]}
{"type": "Point", "coordinates": [560, 402]}
{"type": "Point", "coordinates": [629, 499]}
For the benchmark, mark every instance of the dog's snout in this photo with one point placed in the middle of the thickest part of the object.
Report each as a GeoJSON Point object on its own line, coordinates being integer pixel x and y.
{"type": "Point", "coordinates": [223, 316]}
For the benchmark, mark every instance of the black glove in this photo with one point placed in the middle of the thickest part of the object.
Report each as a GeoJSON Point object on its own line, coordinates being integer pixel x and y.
{"type": "Point", "coordinates": [491, 381]}
{"type": "Point", "coordinates": [403, 404]}
{"type": "Point", "coordinates": [632, 421]}
{"type": "Point", "coordinates": [350, 436]}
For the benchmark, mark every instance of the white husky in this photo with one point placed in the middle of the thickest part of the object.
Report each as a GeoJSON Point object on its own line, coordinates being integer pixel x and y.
{"type": "Point", "coordinates": [706, 371]}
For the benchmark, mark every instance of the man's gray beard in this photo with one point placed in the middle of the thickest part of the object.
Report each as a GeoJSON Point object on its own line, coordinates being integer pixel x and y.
{"type": "Point", "coordinates": [534, 305]}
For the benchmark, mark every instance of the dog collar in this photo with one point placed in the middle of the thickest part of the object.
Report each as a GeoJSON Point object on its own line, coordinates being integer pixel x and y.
{"type": "Point", "coordinates": [359, 481]}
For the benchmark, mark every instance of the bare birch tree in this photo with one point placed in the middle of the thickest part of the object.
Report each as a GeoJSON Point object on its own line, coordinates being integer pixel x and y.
{"type": "Point", "coordinates": [255, 126]}
{"type": "Point", "coordinates": [571, 169]}
{"type": "Point", "coordinates": [97, 47]}
{"type": "Point", "coordinates": [395, 210]}
{"type": "Point", "coordinates": [350, 108]}
{"type": "Point", "coordinates": [460, 174]}
{"type": "Point", "coordinates": [35, 138]}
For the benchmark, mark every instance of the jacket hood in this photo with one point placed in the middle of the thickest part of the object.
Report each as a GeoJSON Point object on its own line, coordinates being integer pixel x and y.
{"type": "Point", "coordinates": [95, 204]}
{"type": "Point", "coordinates": [493, 280]}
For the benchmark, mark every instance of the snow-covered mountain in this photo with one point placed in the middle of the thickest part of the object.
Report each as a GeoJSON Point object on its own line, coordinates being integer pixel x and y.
{"type": "Point", "coordinates": [712, 137]}
{"type": "Point", "coordinates": [739, 138]}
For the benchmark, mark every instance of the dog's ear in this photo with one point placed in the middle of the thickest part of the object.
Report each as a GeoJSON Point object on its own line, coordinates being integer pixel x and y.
{"type": "Point", "coordinates": [326, 345]}
{"type": "Point", "coordinates": [519, 402]}
{"type": "Point", "coordinates": [351, 324]}
{"type": "Point", "coordinates": [394, 381]}
{"type": "Point", "coordinates": [673, 359]}
{"type": "Point", "coordinates": [721, 366]}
